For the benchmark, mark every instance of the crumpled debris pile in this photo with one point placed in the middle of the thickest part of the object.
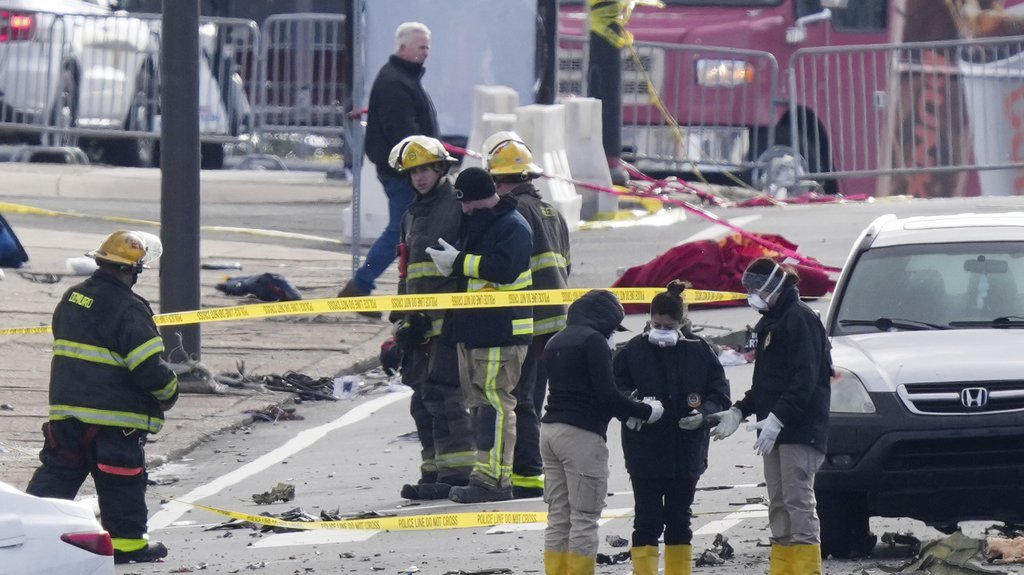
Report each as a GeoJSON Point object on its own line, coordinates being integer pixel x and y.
{"type": "Point", "coordinates": [274, 413]}
{"type": "Point", "coordinates": [957, 554]}
{"type": "Point", "coordinates": [295, 514]}
{"type": "Point", "coordinates": [615, 541]}
{"type": "Point", "coordinates": [265, 287]}
{"type": "Point", "coordinates": [719, 552]}
{"type": "Point", "coordinates": [281, 492]}
{"type": "Point", "coordinates": [614, 559]}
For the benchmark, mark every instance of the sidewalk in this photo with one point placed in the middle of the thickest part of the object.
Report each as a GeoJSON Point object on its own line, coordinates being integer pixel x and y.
{"type": "Point", "coordinates": [322, 345]}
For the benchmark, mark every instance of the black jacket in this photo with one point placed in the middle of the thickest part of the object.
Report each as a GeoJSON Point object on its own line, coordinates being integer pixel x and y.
{"type": "Point", "coordinates": [494, 247]}
{"type": "Point", "coordinates": [550, 260]}
{"type": "Point", "coordinates": [683, 377]}
{"type": "Point", "coordinates": [581, 387]}
{"type": "Point", "coordinates": [436, 214]}
{"type": "Point", "coordinates": [399, 107]}
{"type": "Point", "coordinates": [792, 372]}
{"type": "Point", "coordinates": [106, 367]}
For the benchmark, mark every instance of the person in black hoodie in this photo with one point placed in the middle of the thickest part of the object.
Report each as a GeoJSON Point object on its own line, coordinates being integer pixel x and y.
{"type": "Point", "coordinates": [399, 107]}
{"type": "Point", "coordinates": [493, 255]}
{"type": "Point", "coordinates": [665, 460]}
{"type": "Point", "coordinates": [790, 395]}
{"type": "Point", "coordinates": [582, 398]}
{"type": "Point", "coordinates": [429, 364]}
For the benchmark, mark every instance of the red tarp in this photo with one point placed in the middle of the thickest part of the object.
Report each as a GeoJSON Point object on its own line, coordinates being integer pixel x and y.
{"type": "Point", "coordinates": [717, 266]}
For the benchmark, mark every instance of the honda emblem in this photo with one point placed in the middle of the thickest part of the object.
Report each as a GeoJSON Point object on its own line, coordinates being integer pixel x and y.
{"type": "Point", "coordinates": [974, 396]}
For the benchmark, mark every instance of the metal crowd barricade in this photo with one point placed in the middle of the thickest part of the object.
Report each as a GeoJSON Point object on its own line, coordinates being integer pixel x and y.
{"type": "Point", "coordinates": [897, 109]}
{"type": "Point", "coordinates": [672, 122]}
{"type": "Point", "coordinates": [230, 49]}
{"type": "Point", "coordinates": [302, 82]}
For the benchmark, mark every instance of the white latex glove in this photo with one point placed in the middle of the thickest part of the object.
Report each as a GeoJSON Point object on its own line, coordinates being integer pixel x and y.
{"type": "Point", "coordinates": [769, 429]}
{"type": "Point", "coordinates": [726, 422]}
{"type": "Point", "coordinates": [444, 258]}
{"type": "Point", "coordinates": [692, 421]}
{"type": "Point", "coordinates": [656, 409]}
{"type": "Point", "coordinates": [634, 423]}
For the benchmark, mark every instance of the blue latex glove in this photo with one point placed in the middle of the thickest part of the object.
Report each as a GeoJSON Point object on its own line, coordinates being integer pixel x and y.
{"type": "Point", "coordinates": [768, 429]}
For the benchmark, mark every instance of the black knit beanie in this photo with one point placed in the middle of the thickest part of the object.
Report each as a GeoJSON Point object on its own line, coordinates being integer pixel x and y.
{"type": "Point", "coordinates": [474, 184]}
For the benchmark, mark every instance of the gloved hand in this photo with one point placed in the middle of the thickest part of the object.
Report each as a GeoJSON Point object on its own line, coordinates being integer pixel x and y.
{"type": "Point", "coordinates": [769, 428]}
{"type": "Point", "coordinates": [444, 258]}
{"type": "Point", "coordinates": [692, 421]}
{"type": "Point", "coordinates": [634, 423]}
{"type": "Point", "coordinates": [656, 409]}
{"type": "Point", "coordinates": [726, 422]}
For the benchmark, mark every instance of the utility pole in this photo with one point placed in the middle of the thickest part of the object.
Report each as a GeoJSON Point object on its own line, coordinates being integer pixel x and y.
{"type": "Point", "coordinates": [604, 75]}
{"type": "Point", "coordinates": [179, 169]}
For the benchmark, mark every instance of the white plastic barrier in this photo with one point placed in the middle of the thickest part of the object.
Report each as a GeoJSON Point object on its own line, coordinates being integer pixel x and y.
{"type": "Point", "coordinates": [542, 128]}
{"type": "Point", "coordinates": [489, 101]}
{"type": "Point", "coordinates": [373, 207]}
{"type": "Point", "coordinates": [585, 151]}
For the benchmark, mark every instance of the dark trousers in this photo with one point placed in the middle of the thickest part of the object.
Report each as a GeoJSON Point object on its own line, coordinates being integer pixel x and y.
{"type": "Point", "coordinates": [442, 422]}
{"type": "Point", "coordinates": [526, 461]}
{"type": "Point", "coordinates": [662, 504]}
{"type": "Point", "coordinates": [114, 456]}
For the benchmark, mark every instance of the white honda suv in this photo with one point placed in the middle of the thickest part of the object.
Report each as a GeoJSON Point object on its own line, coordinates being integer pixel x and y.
{"type": "Point", "coordinates": [927, 331]}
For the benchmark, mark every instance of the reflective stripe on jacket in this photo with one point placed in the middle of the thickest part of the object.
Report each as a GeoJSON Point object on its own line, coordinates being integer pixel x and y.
{"type": "Point", "coordinates": [106, 367]}
{"type": "Point", "coordinates": [549, 261]}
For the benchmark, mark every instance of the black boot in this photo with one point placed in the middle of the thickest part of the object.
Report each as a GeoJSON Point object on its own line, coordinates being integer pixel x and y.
{"type": "Point", "coordinates": [478, 493]}
{"type": "Point", "coordinates": [351, 290]}
{"type": "Point", "coordinates": [148, 554]}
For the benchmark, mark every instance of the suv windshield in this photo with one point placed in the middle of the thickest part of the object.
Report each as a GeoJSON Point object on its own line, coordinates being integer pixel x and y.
{"type": "Point", "coordinates": [917, 286]}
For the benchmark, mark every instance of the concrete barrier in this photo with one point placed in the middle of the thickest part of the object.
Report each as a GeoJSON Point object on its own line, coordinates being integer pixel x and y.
{"type": "Point", "coordinates": [585, 152]}
{"type": "Point", "coordinates": [542, 128]}
{"type": "Point", "coordinates": [491, 106]}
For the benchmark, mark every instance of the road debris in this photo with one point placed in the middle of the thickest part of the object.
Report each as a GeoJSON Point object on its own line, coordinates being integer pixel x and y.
{"type": "Point", "coordinates": [718, 554]}
{"type": "Point", "coordinates": [274, 413]}
{"type": "Point", "coordinates": [615, 541]}
{"type": "Point", "coordinates": [265, 287]}
{"type": "Point", "coordinates": [615, 559]}
{"type": "Point", "coordinates": [282, 492]}
{"type": "Point", "coordinates": [957, 554]}
{"type": "Point", "coordinates": [495, 571]}
{"type": "Point", "coordinates": [893, 539]}
{"type": "Point", "coordinates": [6, 407]}
{"type": "Point", "coordinates": [40, 277]}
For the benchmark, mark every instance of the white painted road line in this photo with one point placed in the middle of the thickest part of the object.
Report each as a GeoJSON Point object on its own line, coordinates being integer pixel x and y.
{"type": "Point", "coordinates": [173, 510]}
{"type": "Point", "coordinates": [314, 537]}
{"type": "Point", "coordinates": [716, 231]}
{"type": "Point", "coordinates": [733, 519]}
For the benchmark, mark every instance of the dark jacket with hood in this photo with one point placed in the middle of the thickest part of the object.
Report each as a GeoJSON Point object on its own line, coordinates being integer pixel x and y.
{"type": "Point", "coordinates": [581, 387]}
{"type": "Point", "coordinates": [684, 377]}
{"type": "Point", "coordinates": [792, 372]}
{"type": "Point", "coordinates": [399, 107]}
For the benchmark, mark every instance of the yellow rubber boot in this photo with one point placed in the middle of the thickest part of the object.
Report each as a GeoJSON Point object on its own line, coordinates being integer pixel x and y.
{"type": "Point", "coordinates": [555, 563]}
{"type": "Point", "coordinates": [580, 564]}
{"type": "Point", "coordinates": [782, 561]}
{"type": "Point", "coordinates": [678, 560]}
{"type": "Point", "coordinates": [645, 560]}
{"type": "Point", "coordinates": [806, 559]}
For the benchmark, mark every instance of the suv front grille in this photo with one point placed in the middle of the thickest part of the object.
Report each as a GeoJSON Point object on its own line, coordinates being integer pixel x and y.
{"type": "Point", "coordinates": [956, 453]}
{"type": "Point", "coordinates": [963, 397]}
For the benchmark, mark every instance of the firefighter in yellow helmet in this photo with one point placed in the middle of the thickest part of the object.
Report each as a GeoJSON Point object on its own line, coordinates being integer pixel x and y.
{"type": "Point", "coordinates": [511, 165]}
{"type": "Point", "coordinates": [108, 391]}
{"type": "Point", "coordinates": [430, 365]}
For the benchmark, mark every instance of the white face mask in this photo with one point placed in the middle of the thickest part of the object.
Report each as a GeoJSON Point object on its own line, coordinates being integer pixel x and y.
{"type": "Point", "coordinates": [663, 337]}
{"type": "Point", "coordinates": [755, 301]}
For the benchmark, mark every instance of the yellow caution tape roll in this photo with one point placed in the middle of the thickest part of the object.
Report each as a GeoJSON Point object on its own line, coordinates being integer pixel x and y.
{"type": "Point", "coordinates": [408, 302]}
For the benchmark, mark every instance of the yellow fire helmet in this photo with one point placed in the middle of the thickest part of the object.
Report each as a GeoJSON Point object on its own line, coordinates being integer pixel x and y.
{"type": "Point", "coordinates": [415, 151]}
{"type": "Point", "coordinates": [508, 155]}
{"type": "Point", "coordinates": [128, 248]}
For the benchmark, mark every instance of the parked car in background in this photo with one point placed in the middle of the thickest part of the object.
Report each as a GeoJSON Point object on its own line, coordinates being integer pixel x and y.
{"type": "Point", "coordinates": [51, 537]}
{"type": "Point", "coordinates": [926, 326]}
{"type": "Point", "coordinates": [76, 71]}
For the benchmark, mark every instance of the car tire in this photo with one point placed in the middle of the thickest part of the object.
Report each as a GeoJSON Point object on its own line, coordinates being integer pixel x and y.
{"type": "Point", "coordinates": [211, 156]}
{"type": "Point", "coordinates": [136, 152]}
{"type": "Point", "coordinates": [845, 529]}
{"type": "Point", "coordinates": [64, 113]}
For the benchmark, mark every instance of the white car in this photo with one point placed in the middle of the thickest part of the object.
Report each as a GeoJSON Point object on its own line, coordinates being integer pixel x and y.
{"type": "Point", "coordinates": [42, 536]}
{"type": "Point", "coordinates": [78, 64]}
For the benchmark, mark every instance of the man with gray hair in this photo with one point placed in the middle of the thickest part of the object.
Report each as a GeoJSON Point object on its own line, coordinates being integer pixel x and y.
{"type": "Point", "coordinates": [399, 107]}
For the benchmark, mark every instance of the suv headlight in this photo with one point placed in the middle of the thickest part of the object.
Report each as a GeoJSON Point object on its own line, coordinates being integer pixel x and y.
{"type": "Point", "coordinates": [849, 394]}
{"type": "Point", "coordinates": [724, 73]}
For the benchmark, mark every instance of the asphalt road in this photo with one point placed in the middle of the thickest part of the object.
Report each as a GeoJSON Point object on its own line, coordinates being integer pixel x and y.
{"type": "Point", "coordinates": [351, 456]}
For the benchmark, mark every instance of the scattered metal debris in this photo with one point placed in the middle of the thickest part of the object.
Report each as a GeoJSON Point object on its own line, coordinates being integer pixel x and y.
{"type": "Point", "coordinates": [504, 550]}
{"type": "Point", "coordinates": [957, 554]}
{"type": "Point", "coordinates": [6, 407]}
{"type": "Point", "coordinates": [615, 541]}
{"type": "Point", "coordinates": [40, 277]}
{"type": "Point", "coordinates": [719, 552]}
{"type": "Point", "coordinates": [615, 559]}
{"type": "Point", "coordinates": [893, 539]}
{"type": "Point", "coordinates": [274, 413]}
{"type": "Point", "coordinates": [495, 571]}
{"type": "Point", "coordinates": [282, 492]}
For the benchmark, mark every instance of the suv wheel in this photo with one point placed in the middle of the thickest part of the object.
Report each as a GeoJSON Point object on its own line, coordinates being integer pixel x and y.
{"type": "Point", "coordinates": [845, 532]}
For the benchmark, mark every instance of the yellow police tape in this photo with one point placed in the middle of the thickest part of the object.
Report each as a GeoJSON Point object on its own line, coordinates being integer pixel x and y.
{"type": "Point", "coordinates": [403, 523]}
{"type": "Point", "coordinates": [408, 302]}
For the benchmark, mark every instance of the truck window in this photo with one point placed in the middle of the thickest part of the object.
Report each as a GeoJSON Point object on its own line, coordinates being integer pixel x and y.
{"type": "Point", "coordinates": [862, 16]}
